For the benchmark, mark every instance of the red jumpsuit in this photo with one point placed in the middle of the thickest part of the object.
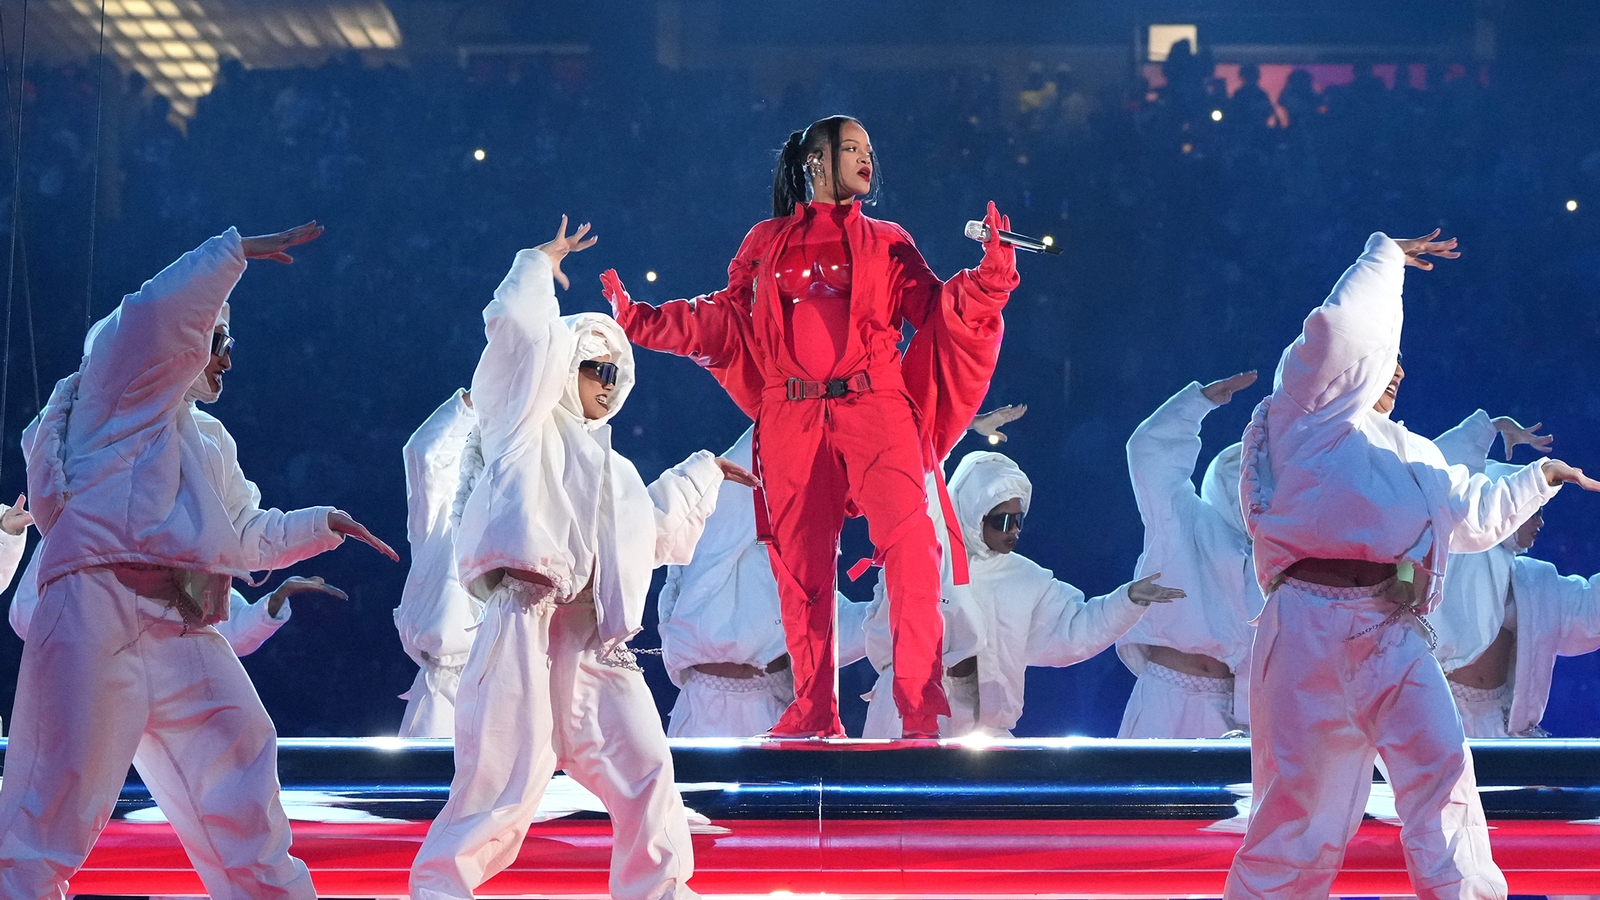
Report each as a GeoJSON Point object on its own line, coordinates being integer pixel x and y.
{"type": "Point", "coordinates": [865, 450]}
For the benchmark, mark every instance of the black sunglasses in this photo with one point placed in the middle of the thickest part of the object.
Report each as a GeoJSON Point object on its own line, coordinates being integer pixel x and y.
{"type": "Point", "coordinates": [605, 371]}
{"type": "Point", "coordinates": [1002, 522]}
{"type": "Point", "coordinates": [221, 342]}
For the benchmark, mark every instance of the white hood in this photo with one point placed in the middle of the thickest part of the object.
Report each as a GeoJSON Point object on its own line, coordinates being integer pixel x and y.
{"type": "Point", "coordinates": [1220, 486]}
{"type": "Point", "coordinates": [598, 335]}
{"type": "Point", "coordinates": [983, 480]}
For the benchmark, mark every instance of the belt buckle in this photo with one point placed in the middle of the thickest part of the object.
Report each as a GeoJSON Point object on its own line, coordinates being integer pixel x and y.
{"type": "Point", "coordinates": [796, 389]}
{"type": "Point", "coordinates": [837, 388]}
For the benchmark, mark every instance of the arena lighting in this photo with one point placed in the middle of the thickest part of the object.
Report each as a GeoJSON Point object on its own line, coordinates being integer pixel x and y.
{"type": "Point", "coordinates": [177, 45]}
{"type": "Point", "coordinates": [1216, 115]}
{"type": "Point", "coordinates": [1160, 39]}
{"type": "Point", "coordinates": [1572, 206]}
{"type": "Point", "coordinates": [650, 276]}
{"type": "Point", "coordinates": [478, 154]}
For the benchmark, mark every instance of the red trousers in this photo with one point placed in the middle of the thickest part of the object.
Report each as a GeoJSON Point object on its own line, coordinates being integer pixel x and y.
{"type": "Point", "coordinates": [815, 455]}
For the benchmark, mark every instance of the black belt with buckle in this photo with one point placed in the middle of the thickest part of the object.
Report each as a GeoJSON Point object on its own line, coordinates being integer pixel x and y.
{"type": "Point", "coordinates": [833, 389]}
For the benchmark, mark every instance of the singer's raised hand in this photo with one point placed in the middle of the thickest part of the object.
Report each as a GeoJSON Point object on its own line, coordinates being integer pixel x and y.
{"type": "Point", "coordinates": [999, 267]}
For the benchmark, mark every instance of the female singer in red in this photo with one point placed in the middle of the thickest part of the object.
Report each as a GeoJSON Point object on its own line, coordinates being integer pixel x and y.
{"type": "Point", "coordinates": [805, 338]}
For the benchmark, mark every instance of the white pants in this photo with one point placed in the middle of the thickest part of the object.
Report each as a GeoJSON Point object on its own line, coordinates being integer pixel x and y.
{"type": "Point", "coordinates": [883, 717]}
{"type": "Point", "coordinates": [1335, 683]}
{"type": "Point", "coordinates": [108, 669]}
{"type": "Point", "coordinates": [713, 706]}
{"type": "Point", "coordinates": [1169, 704]}
{"type": "Point", "coordinates": [1484, 713]}
{"type": "Point", "coordinates": [536, 697]}
{"type": "Point", "coordinates": [431, 703]}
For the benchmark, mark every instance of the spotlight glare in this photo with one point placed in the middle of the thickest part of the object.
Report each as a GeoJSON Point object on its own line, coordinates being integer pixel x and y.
{"type": "Point", "coordinates": [1216, 115]}
{"type": "Point", "coordinates": [650, 276]}
{"type": "Point", "coordinates": [478, 154]}
{"type": "Point", "coordinates": [1572, 206]}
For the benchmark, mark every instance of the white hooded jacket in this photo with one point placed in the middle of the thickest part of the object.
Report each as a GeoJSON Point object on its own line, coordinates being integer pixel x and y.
{"type": "Point", "coordinates": [1197, 541]}
{"type": "Point", "coordinates": [1326, 476]}
{"type": "Point", "coordinates": [1013, 613]}
{"type": "Point", "coordinates": [435, 611]}
{"type": "Point", "coordinates": [1556, 615]}
{"type": "Point", "coordinates": [121, 466]}
{"type": "Point", "coordinates": [723, 606]}
{"type": "Point", "coordinates": [553, 497]}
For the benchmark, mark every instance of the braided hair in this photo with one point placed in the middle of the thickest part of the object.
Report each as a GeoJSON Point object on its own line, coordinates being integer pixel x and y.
{"type": "Point", "coordinates": [790, 186]}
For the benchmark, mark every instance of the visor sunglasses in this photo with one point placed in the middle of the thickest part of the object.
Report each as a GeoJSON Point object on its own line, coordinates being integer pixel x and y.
{"type": "Point", "coordinates": [221, 342]}
{"type": "Point", "coordinates": [605, 371]}
{"type": "Point", "coordinates": [1003, 522]}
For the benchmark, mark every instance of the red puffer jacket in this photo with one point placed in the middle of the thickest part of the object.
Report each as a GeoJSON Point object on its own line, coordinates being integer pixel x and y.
{"type": "Point", "coordinates": [738, 332]}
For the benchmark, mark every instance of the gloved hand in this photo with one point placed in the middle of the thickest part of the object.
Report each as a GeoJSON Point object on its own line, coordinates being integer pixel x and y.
{"type": "Point", "coordinates": [998, 270]}
{"type": "Point", "coordinates": [611, 288]}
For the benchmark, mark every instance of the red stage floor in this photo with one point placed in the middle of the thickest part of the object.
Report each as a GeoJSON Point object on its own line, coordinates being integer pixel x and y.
{"type": "Point", "coordinates": [990, 858]}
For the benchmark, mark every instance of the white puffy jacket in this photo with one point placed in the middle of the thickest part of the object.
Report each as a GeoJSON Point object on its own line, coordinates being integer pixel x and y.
{"type": "Point", "coordinates": [1013, 613]}
{"type": "Point", "coordinates": [1197, 541]}
{"type": "Point", "coordinates": [121, 468]}
{"type": "Point", "coordinates": [554, 498]}
{"type": "Point", "coordinates": [435, 611]}
{"type": "Point", "coordinates": [1326, 476]}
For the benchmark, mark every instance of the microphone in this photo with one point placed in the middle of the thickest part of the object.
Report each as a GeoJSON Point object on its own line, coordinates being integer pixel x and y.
{"type": "Point", "coordinates": [979, 232]}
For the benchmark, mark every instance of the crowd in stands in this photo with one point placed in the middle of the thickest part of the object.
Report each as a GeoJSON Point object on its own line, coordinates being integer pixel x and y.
{"type": "Point", "coordinates": [1195, 243]}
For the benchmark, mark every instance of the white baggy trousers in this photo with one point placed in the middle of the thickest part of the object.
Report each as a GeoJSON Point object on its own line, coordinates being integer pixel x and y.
{"type": "Point", "coordinates": [107, 663]}
{"type": "Point", "coordinates": [431, 702]}
{"type": "Point", "coordinates": [714, 706]}
{"type": "Point", "coordinates": [1338, 680]}
{"type": "Point", "coordinates": [535, 697]}
{"type": "Point", "coordinates": [1169, 704]}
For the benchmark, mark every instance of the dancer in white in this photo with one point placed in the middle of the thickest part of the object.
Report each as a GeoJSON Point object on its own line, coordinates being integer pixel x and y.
{"type": "Point", "coordinates": [436, 613]}
{"type": "Point", "coordinates": [246, 628]}
{"type": "Point", "coordinates": [721, 632]}
{"type": "Point", "coordinates": [1192, 658]}
{"type": "Point", "coordinates": [1012, 614]}
{"type": "Point", "coordinates": [134, 569]}
{"type": "Point", "coordinates": [559, 535]}
{"type": "Point", "coordinates": [14, 522]}
{"type": "Point", "coordinates": [1352, 517]}
{"type": "Point", "coordinates": [1506, 616]}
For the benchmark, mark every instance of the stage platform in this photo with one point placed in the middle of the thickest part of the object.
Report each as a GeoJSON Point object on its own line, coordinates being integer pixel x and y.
{"type": "Point", "coordinates": [1065, 817]}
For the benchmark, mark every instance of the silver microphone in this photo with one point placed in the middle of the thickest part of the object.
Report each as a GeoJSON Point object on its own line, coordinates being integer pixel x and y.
{"type": "Point", "coordinates": [979, 232]}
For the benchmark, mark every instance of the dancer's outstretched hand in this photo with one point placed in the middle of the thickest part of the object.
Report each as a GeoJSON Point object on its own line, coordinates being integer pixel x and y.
{"type": "Point", "coordinates": [341, 523]}
{"type": "Point", "coordinates": [1145, 591]}
{"type": "Point", "coordinates": [1416, 248]}
{"type": "Point", "coordinates": [1556, 471]}
{"type": "Point", "coordinates": [558, 248]}
{"type": "Point", "coordinates": [1220, 392]}
{"type": "Point", "coordinates": [738, 474]}
{"type": "Point", "coordinates": [999, 257]}
{"type": "Point", "coordinates": [299, 585]}
{"type": "Point", "coordinates": [611, 288]}
{"type": "Point", "coordinates": [273, 246]}
{"type": "Point", "coordinates": [1512, 434]}
{"type": "Point", "coordinates": [989, 424]}
{"type": "Point", "coordinates": [16, 520]}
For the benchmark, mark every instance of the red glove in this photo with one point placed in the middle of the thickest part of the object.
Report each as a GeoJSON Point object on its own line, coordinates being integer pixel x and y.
{"type": "Point", "coordinates": [611, 288]}
{"type": "Point", "coordinates": [999, 266]}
